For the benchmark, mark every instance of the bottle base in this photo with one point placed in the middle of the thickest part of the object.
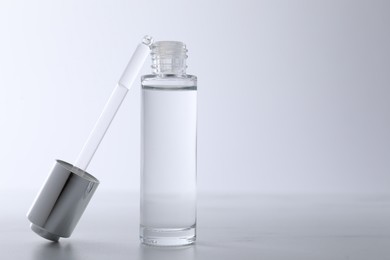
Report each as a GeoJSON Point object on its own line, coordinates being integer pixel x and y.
{"type": "Point", "coordinates": [168, 236]}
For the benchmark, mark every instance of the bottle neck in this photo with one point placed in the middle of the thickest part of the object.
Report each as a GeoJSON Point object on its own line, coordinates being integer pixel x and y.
{"type": "Point", "coordinates": [168, 58]}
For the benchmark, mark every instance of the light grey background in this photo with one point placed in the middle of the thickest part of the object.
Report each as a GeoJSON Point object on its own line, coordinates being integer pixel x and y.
{"type": "Point", "coordinates": [293, 134]}
{"type": "Point", "coordinates": [294, 96]}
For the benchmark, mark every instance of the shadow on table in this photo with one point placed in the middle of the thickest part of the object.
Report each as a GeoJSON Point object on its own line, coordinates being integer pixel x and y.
{"type": "Point", "coordinates": [56, 251]}
{"type": "Point", "coordinates": [167, 253]}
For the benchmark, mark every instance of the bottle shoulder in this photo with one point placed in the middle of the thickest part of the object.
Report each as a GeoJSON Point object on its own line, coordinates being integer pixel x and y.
{"type": "Point", "coordinates": [169, 81]}
{"type": "Point", "coordinates": [168, 77]}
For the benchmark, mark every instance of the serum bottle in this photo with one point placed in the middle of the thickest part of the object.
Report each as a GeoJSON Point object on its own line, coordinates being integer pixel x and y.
{"type": "Point", "coordinates": [168, 148]}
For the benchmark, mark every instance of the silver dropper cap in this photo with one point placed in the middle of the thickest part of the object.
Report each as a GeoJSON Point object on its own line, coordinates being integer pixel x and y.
{"type": "Point", "coordinates": [61, 201]}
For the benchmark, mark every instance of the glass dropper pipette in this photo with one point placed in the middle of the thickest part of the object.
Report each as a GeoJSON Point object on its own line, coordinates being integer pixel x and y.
{"type": "Point", "coordinates": [113, 103]}
{"type": "Point", "coordinates": [69, 188]}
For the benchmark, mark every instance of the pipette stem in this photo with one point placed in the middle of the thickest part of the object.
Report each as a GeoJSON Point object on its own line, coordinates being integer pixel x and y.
{"type": "Point", "coordinates": [114, 102]}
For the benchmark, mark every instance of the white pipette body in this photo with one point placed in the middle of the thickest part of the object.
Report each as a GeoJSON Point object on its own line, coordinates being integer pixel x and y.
{"type": "Point", "coordinates": [114, 102]}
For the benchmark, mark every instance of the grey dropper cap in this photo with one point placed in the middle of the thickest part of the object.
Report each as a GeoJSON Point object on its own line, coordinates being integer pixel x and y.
{"type": "Point", "coordinates": [61, 201]}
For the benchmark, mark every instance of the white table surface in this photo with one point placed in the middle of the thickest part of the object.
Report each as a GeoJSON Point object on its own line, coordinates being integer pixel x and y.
{"type": "Point", "coordinates": [242, 226]}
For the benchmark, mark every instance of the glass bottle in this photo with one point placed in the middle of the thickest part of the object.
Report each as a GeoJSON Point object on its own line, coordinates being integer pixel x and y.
{"type": "Point", "coordinates": [168, 149]}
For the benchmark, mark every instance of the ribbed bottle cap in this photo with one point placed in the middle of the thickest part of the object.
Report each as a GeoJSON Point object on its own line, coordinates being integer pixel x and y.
{"type": "Point", "coordinates": [169, 57]}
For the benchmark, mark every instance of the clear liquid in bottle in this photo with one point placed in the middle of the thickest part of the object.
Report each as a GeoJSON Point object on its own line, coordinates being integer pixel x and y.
{"type": "Point", "coordinates": [168, 157]}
